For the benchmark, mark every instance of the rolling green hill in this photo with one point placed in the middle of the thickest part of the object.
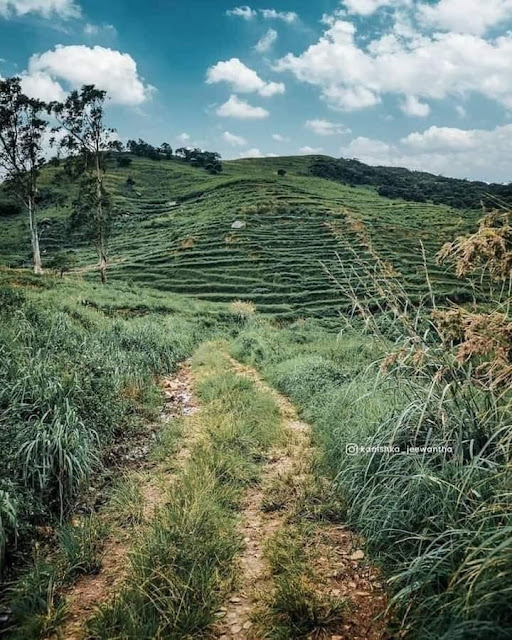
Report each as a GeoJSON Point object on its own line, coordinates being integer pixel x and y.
{"type": "Point", "coordinates": [174, 232]}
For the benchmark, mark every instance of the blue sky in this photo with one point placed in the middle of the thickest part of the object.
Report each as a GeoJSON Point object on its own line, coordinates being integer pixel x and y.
{"type": "Point", "coordinates": [420, 83]}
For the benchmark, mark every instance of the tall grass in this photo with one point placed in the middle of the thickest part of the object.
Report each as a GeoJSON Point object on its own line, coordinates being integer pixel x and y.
{"type": "Point", "coordinates": [74, 381]}
{"type": "Point", "coordinates": [438, 519]}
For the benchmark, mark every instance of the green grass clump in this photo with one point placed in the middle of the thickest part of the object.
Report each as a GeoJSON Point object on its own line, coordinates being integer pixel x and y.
{"type": "Point", "coordinates": [306, 375]}
{"type": "Point", "coordinates": [125, 502]}
{"type": "Point", "coordinates": [74, 378]}
{"type": "Point", "coordinates": [36, 599]}
{"type": "Point", "coordinates": [80, 546]}
{"type": "Point", "coordinates": [440, 523]}
{"type": "Point", "coordinates": [36, 607]}
{"type": "Point", "coordinates": [298, 606]}
{"type": "Point", "coordinates": [180, 568]}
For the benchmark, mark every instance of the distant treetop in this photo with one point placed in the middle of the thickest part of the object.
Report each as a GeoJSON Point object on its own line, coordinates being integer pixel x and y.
{"type": "Point", "coordinates": [209, 160]}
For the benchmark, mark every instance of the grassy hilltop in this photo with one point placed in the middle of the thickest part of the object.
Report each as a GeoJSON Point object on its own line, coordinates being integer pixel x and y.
{"type": "Point", "coordinates": [173, 232]}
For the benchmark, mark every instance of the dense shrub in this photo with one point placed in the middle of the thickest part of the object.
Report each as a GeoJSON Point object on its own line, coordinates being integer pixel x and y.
{"type": "Point", "coordinates": [71, 380]}
{"type": "Point", "coordinates": [306, 375]}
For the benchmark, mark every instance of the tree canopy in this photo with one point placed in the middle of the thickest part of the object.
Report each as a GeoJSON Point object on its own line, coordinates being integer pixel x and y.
{"type": "Point", "coordinates": [22, 132]}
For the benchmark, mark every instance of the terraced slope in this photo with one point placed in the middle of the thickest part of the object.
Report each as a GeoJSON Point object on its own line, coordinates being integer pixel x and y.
{"type": "Point", "coordinates": [174, 232]}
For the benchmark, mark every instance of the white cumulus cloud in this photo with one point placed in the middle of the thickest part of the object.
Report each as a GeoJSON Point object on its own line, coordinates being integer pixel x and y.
{"type": "Point", "coordinates": [256, 153]}
{"type": "Point", "coordinates": [241, 78]}
{"type": "Point", "coordinates": [242, 12]}
{"type": "Point", "coordinates": [247, 13]}
{"type": "Point", "coordinates": [272, 89]}
{"type": "Point", "coordinates": [364, 148]}
{"type": "Point", "coordinates": [252, 153]}
{"type": "Point", "coordinates": [462, 16]}
{"type": "Point", "coordinates": [76, 65]}
{"type": "Point", "coordinates": [310, 151]}
{"type": "Point", "coordinates": [285, 16]}
{"type": "Point", "coordinates": [266, 41]}
{"type": "Point", "coordinates": [477, 154]}
{"type": "Point", "coordinates": [42, 86]}
{"type": "Point", "coordinates": [411, 106]}
{"type": "Point", "coordinates": [47, 8]}
{"type": "Point", "coordinates": [326, 128]}
{"type": "Point", "coordinates": [237, 108]}
{"type": "Point", "coordinates": [352, 76]}
{"type": "Point", "coordinates": [234, 140]}
{"type": "Point", "coordinates": [466, 16]}
{"type": "Point", "coordinates": [443, 139]}
{"type": "Point", "coordinates": [94, 30]}
{"type": "Point", "coordinates": [279, 138]}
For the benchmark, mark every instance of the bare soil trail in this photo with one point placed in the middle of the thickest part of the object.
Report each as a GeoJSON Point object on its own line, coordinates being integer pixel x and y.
{"type": "Point", "coordinates": [340, 559]}
{"type": "Point", "coordinates": [90, 591]}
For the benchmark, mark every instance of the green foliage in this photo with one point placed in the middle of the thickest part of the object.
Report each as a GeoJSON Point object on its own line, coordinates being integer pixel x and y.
{"type": "Point", "coordinates": [80, 119]}
{"type": "Point", "coordinates": [415, 186]}
{"type": "Point", "coordinates": [62, 262]}
{"type": "Point", "coordinates": [143, 149]}
{"type": "Point", "coordinates": [56, 453]}
{"type": "Point", "coordinates": [10, 300]}
{"type": "Point", "coordinates": [123, 161]}
{"type": "Point", "coordinates": [440, 523]}
{"type": "Point", "coordinates": [36, 597]}
{"type": "Point", "coordinates": [34, 601]}
{"type": "Point", "coordinates": [210, 160]}
{"type": "Point", "coordinates": [8, 519]}
{"type": "Point", "coordinates": [22, 131]}
{"type": "Point", "coordinates": [308, 375]}
{"type": "Point", "coordinates": [125, 501]}
{"type": "Point", "coordinates": [9, 206]}
{"type": "Point", "coordinates": [84, 215]}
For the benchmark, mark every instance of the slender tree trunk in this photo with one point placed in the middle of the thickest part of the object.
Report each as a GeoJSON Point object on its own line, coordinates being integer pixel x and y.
{"type": "Point", "coordinates": [102, 248]}
{"type": "Point", "coordinates": [34, 236]}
